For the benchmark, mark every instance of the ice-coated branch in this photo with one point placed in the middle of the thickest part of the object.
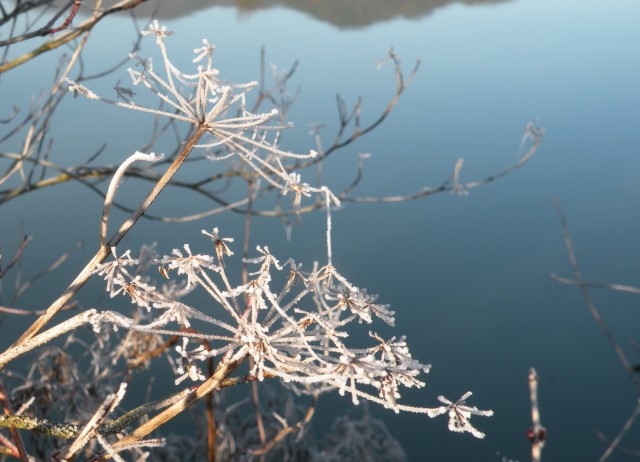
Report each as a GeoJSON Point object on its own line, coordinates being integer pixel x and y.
{"type": "Point", "coordinates": [115, 182]}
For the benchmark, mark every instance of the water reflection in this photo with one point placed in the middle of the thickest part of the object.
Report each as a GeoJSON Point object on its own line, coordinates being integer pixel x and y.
{"type": "Point", "coordinates": [468, 276]}
{"type": "Point", "coordinates": [340, 13]}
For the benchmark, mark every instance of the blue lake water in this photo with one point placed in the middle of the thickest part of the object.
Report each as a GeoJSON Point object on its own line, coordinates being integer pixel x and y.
{"type": "Point", "coordinates": [467, 276]}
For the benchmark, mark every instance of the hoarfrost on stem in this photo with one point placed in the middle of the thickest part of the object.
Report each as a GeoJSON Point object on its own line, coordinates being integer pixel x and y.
{"type": "Point", "coordinates": [296, 330]}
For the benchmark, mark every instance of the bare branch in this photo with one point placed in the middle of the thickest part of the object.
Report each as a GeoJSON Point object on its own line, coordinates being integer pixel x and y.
{"type": "Point", "coordinates": [70, 35]}
{"type": "Point", "coordinates": [598, 285]}
{"type": "Point", "coordinates": [287, 430]}
{"type": "Point", "coordinates": [16, 257]}
{"type": "Point", "coordinates": [625, 428]}
{"type": "Point", "coordinates": [588, 300]}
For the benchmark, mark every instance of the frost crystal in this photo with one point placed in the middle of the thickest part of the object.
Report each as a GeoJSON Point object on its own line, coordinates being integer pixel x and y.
{"type": "Point", "coordinates": [460, 413]}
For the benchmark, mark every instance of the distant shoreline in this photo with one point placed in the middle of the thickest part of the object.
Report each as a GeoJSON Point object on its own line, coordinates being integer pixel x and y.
{"type": "Point", "coordinates": [342, 14]}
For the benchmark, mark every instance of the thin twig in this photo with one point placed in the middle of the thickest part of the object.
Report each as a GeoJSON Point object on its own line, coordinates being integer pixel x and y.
{"type": "Point", "coordinates": [50, 269]}
{"type": "Point", "coordinates": [16, 256]}
{"type": "Point", "coordinates": [588, 300]}
{"type": "Point", "coordinates": [597, 285]}
{"type": "Point", "coordinates": [7, 448]}
{"type": "Point", "coordinates": [47, 28]}
{"type": "Point", "coordinates": [630, 452]}
{"type": "Point", "coordinates": [8, 310]}
{"type": "Point", "coordinates": [67, 22]}
{"type": "Point", "coordinates": [287, 430]}
{"type": "Point", "coordinates": [451, 184]}
{"type": "Point", "coordinates": [70, 35]}
{"type": "Point", "coordinates": [616, 441]}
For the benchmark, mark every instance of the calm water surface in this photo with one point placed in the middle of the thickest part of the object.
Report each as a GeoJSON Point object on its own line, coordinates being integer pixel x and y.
{"type": "Point", "coordinates": [468, 276]}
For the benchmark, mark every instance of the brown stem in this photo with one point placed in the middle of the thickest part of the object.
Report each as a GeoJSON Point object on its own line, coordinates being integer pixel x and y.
{"type": "Point", "coordinates": [67, 22]}
{"type": "Point", "coordinates": [289, 429]}
{"type": "Point", "coordinates": [211, 384]}
{"type": "Point", "coordinates": [19, 445]}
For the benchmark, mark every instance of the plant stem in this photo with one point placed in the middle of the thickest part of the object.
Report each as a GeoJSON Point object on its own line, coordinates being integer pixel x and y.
{"type": "Point", "coordinates": [211, 384]}
{"type": "Point", "coordinates": [105, 250]}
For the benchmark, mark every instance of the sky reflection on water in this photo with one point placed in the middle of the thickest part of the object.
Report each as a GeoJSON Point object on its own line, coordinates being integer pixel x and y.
{"type": "Point", "coordinates": [468, 276]}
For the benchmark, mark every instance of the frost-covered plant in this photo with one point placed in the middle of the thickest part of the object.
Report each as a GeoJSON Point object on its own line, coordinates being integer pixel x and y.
{"type": "Point", "coordinates": [287, 323]}
{"type": "Point", "coordinates": [298, 332]}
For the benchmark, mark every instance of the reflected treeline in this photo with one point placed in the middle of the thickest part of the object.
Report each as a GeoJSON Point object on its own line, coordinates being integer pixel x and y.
{"type": "Point", "coordinates": [340, 13]}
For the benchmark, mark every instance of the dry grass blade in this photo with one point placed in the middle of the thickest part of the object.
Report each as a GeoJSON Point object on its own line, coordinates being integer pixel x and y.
{"type": "Point", "coordinates": [91, 428]}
